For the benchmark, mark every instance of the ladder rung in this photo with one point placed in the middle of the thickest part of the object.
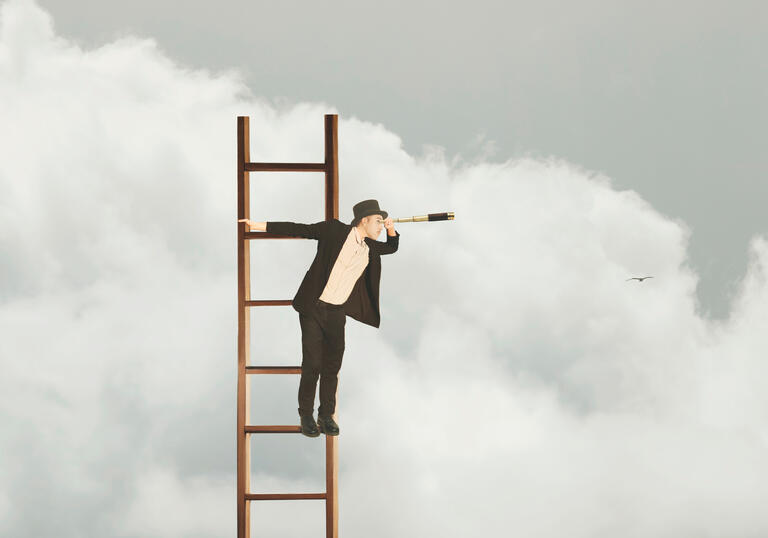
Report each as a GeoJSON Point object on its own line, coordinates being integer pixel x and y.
{"type": "Point", "coordinates": [268, 235]}
{"type": "Point", "coordinates": [282, 496]}
{"type": "Point", "coordinates": [285, 167]}
{"type": "Point", "coordinates": [273, 429]}
{"type": "Point", "coordinates": [268, 302]}
{"type": "Point", "coordinates": [273, 369]}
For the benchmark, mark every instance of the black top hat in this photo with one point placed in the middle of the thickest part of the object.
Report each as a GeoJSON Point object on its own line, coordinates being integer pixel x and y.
{"type": "Point", "coordinates": [366, 208]}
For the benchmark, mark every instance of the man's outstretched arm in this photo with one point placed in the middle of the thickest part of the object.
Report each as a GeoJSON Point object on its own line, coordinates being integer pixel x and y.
{"type": "Point", "coordinates": [293, 229]}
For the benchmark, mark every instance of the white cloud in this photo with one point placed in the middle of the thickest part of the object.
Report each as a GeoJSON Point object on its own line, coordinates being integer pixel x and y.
{"type": "Point", "coordinates": [517, 380]}
{"type": "Point", "coordinates": [155, 510]}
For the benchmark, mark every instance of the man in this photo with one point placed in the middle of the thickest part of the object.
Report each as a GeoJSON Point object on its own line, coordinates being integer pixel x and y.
{"type": "Point", "coordinates": [342, 281]}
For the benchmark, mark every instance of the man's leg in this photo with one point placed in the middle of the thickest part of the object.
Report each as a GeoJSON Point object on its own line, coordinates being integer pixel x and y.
{"type": "Point", "coordinates": [333, 351]}
{"type": "Point", "coordinates": [311, 362]}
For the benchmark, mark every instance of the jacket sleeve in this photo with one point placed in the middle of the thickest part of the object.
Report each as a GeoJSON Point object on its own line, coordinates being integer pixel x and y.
{"type": "Point", "coordinates": [295, 229]}
{"type": "Point", "coordinates": [390, 247]}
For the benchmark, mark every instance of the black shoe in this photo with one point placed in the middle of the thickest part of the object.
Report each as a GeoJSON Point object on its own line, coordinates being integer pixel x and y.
{"type": "Point", "coordinates": [308, 426]}
{"type": "Point", "coordinates": [327, 425]}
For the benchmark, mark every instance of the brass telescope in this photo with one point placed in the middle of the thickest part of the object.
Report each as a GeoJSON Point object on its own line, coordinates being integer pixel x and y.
{"type": "Point", "coordinates": [429, 217]}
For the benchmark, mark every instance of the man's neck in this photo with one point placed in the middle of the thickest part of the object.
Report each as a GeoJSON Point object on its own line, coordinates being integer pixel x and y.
{"type": "Point", "coordinates": [360, 234]}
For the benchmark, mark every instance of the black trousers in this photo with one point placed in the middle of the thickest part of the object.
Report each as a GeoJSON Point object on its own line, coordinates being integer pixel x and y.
{"type": "Point", "coordinates": [322, 346]}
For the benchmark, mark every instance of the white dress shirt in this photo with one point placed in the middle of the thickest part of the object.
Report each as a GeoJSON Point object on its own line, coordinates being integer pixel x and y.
{"type": "Point", "coordinates": [350, 264]}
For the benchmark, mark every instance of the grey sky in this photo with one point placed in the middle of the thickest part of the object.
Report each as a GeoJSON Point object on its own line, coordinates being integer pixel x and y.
{"type": "Point", "coordinates": [666, 98]}
{"type": "Point", "coordinates": [521, 368]}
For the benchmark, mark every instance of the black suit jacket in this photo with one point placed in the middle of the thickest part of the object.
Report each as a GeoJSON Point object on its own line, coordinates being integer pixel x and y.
{"type": "Point", "coordinates": [363, 301]}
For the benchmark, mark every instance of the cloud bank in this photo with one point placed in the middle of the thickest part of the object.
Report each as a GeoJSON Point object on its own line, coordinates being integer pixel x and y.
{"type": "Point", "coordinates": [518, 382]}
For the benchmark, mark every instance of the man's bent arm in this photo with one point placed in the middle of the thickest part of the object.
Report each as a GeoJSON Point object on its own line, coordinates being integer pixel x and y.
{"type": "Point", "coordinates": [390, 247]}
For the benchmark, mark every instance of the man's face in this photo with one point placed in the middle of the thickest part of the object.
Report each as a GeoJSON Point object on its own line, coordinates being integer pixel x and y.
{"type": "Point", "coordinates": [373, 224]}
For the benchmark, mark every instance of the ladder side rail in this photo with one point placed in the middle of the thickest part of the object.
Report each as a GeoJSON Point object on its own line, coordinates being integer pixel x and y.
{"type": "Point", "coordinates": [243, 329]}
{"type": "Point", "coordinates": [331, 212]}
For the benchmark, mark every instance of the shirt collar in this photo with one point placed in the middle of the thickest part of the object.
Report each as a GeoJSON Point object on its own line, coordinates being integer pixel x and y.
{"type": "Point", "coordinates": [357, 236]}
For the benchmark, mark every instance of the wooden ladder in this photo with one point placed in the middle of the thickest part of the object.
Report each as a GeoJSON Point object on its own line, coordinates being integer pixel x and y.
{"type": "Point", "coordinates": [244, 303]}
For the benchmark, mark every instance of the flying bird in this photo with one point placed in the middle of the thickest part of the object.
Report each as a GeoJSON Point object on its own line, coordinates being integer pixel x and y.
{"type": "Point", "coordinates": [638, 278]}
